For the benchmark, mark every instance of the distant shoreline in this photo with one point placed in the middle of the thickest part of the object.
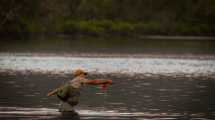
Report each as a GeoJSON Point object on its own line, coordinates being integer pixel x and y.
{"type": "Point", "coordinates": [108, 35]}
{"type": "Point", "coordinates": [178, 37]}
{"type": "Point", "coordinates": [147, 36]}
{"type": "Point", "coordinates": [154, 37]}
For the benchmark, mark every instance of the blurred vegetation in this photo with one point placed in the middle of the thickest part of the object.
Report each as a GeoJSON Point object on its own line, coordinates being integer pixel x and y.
{"type": "Point", "coordinates": [108, 17]}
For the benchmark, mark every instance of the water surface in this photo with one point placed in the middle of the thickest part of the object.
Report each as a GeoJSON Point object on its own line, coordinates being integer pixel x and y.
{"type": "Point", "coordinates": [108, 45]}
{"type": "Point", "coordinates": [153, 78]}
{"type": "Point", "coordinates": [144, 88]}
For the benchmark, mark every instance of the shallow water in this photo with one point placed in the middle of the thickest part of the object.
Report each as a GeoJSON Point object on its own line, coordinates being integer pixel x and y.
{"type": "Point", "coordinates": [24, 96]}
{"type": "Point", "coordinates": [144, 88]}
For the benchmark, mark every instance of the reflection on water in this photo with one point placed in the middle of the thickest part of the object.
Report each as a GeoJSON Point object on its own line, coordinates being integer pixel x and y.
{"type": "Point", "coordinates": [109, 45]}
{"type": "Point", "coordinates": [145, 88]}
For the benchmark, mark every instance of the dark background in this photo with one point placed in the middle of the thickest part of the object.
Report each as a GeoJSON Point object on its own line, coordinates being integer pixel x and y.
{"type": "Point", "coordinates": [107, 17]}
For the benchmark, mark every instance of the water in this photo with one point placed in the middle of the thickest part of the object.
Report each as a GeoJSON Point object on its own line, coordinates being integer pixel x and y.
{"type": "Point", "coordinates": [98, 45]}
{"type": "Point", "coordinates": [25, 96]}
{"type": "Point", "coordinates": [129, 66]}
{"type": "Point", "coordinates": [144, 88]}
{"type": "Point", "coordinates": [153, 79]}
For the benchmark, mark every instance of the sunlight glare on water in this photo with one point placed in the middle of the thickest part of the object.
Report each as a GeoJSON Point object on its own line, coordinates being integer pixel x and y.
{"type": "Point", "coordinates": [60, 64]}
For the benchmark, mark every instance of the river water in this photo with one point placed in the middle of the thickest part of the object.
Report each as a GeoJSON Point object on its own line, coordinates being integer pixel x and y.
{"type": "Point", "coordinates": [146, 86]}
